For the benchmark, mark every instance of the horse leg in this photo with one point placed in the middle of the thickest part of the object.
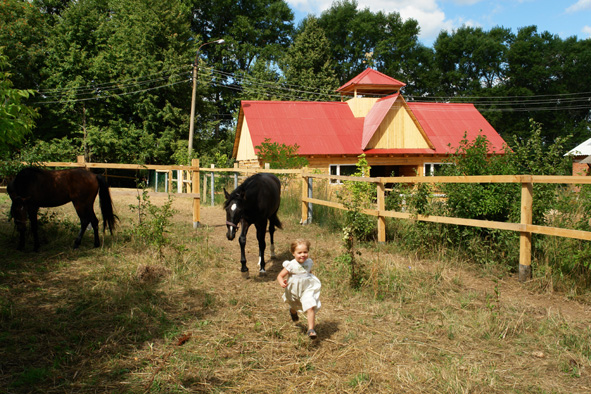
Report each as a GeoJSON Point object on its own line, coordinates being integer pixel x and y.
{"type": "Point", "coordinates": [34, 229]}
{"type": "Point", "coordinates": [242, 242]}
{"type": "Point", "coordinates": [87, 216]}
{"type": "Point", "coordinates": [261, 230]}
{"type": "Point", "coordinates": [271, 233]}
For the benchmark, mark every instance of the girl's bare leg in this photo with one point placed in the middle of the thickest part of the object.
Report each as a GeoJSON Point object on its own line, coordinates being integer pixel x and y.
{"type": "Point", "coordinates": [311, 314]}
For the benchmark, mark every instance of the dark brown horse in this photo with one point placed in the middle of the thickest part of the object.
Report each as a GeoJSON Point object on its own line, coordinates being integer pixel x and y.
{"type": "Point", "coordinates": [255, 201]}
{"type": "Point", "coordinates": [34, 187]}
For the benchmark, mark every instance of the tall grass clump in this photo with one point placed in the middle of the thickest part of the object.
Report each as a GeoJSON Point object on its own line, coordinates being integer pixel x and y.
{"type": "Point", "coordinates": [153, 223]}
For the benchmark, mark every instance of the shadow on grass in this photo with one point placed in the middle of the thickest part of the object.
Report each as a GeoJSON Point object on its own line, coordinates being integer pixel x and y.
{"type": "Point", "coordinates": [65, 313]}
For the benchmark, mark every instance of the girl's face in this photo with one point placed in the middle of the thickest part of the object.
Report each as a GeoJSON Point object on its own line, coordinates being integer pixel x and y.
{"type": "Point", "coordinates": [301, 253]}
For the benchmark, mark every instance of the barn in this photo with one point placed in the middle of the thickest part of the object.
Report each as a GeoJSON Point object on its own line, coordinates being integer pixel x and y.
{"type": "Point", "coordinates": [581, 158]}
{"type": "Point", "coordinates": [398, 138]}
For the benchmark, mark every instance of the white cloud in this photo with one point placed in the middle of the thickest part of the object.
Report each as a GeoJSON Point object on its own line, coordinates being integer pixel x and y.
{"type": "Point", "coordinates": [580, 5]}
{"type": "Point", "coordinates": [586, 30]}
{"type": "Point", "coordinates": [427, 12]}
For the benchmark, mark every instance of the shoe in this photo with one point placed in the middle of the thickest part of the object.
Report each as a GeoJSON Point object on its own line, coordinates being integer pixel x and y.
{"type": "Point", "coordinates": [312, 334]}
{"type": "Point", "coordinates": [294, 316]}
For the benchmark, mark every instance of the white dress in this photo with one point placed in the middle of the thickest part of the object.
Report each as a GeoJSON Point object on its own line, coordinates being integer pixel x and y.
{"type": "Point", "coordinates": [303, 288]}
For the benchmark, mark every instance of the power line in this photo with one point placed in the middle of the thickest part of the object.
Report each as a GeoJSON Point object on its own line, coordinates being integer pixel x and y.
{"type": "Point", "coordinates": [273, 89]}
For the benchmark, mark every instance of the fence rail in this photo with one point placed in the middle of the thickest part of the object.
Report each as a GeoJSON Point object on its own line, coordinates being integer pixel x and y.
{"type": "Point", "coordinates": [525, 227]}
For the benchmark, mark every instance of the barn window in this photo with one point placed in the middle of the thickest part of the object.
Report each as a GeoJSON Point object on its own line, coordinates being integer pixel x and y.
{"type": "Point", "coordinates": [341, 169]}
{"type": "Point", "coordinates": [432, 169]}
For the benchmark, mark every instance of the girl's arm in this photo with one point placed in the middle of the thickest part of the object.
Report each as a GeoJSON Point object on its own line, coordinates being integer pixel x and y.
{"type": "Point", "coordinates": [282, 277]}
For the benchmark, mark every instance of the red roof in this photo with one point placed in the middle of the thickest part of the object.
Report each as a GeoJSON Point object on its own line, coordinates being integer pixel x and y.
{"type": "Point", "coordinates": [446, 123]}
{"type": "Point", "coordinates": [329, 128]}
{"type": "Point", "coordinates": [372, 79]}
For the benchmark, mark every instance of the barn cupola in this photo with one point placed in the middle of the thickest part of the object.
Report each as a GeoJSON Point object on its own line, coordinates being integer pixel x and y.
{"type": "Point", "coordinates": [370, 83]}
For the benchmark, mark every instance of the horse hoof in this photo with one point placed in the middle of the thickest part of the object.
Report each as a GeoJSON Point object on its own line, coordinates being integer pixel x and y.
{"type": "Point", "coordinates": [273, 256]}
{"type": "Point", "coordinates": [245, 275]}
{"type": "Point", "coordinates": [262, 273]}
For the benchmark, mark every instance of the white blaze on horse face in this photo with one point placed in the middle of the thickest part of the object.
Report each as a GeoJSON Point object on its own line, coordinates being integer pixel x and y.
{"type": "Point", "coordinates": [233, 207]}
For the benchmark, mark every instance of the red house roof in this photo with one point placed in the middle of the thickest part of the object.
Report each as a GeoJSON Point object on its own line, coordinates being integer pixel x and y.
{"type": "Point", "coordinates": [371, 80]}
{"type": "Point", "coordinates": [446, 123]}
{"type": "Point", "coordinates": [327, 128]}
{"type": "Point", "coordinates": [330, 128]}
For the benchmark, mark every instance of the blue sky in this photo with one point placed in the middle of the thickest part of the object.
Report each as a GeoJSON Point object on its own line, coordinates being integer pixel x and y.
{"type": "Point", "coordinates": [564, 18]}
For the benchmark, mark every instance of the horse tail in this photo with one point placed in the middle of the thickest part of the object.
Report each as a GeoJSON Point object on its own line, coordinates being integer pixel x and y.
{"type": "Point", "coordinates": [109, 217]}
{"type": "Point", "coordinates": [274, 220]}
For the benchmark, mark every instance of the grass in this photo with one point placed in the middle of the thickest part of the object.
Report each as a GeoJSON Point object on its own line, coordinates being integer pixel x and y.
{"type": "Point", "coordinates": [125, 318]}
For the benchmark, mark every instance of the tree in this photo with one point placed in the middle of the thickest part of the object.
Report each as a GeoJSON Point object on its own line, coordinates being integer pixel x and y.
{"type": "Point", "coordinates": [254, 31]}
{"type": "Point", "coordinates": [353, 33]}
{"type": "Point", "coordinates": [22, 33]}
{"type": "Point", "coordinates": [280, 155]}
{"type": "Point", "coordinates": [471, 60]}
{"type": "Point", "coordinates": [16, 118]}
{"type": "Point", "coordinates": [307, 65]}
{"type": "Point", "coordinates": [119, 78]}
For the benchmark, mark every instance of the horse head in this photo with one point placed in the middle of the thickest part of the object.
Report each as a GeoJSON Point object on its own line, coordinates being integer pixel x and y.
{"type": "Point", "coordinates": [18, 211]}
{"type": "Point", "coordinates": [234, 207]}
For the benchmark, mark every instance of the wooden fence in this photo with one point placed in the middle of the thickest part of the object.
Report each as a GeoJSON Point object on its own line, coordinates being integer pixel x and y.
{"type": "Point", "coordinates": [524, 227]}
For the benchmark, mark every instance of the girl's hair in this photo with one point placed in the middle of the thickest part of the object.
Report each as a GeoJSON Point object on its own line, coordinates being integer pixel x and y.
{"type": "Point", "coordinates": [297, 242]}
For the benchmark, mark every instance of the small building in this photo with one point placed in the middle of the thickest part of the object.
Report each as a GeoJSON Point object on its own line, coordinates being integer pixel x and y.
{"type": "Point", "coordinates": [398, 138]}
{"type": "Point", "coordinates": [581, 158]}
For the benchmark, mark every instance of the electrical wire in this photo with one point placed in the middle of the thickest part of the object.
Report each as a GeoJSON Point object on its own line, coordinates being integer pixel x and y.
{"type": "Point", "coordinates": [289, 92]}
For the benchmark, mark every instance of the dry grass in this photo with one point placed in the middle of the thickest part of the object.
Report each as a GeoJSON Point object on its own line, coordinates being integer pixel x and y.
{"type": "Point", "coordinates": [121, 319]}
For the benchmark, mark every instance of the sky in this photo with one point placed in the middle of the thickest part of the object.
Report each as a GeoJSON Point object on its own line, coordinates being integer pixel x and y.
{"type": "Point", "coordinates": [565, 18]}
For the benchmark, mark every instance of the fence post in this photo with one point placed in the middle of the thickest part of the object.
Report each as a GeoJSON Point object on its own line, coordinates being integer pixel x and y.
{"type": "Point", "coordinates": [381, 208]}
{"type": "Point", "coordinates": [235, 176]}
{"type": "Point", "coordinates": [212, 191]}
{"type": "Point", "coordinates": [304, 219]}
{"type": "Point", "coordinates": [195, 189]}
{"type": "Point", "coordinates": [310, 205]}
{"type": "Point", "coordinates": [80, 160]}
{"type": "Point", "coordinates": [525, 236]}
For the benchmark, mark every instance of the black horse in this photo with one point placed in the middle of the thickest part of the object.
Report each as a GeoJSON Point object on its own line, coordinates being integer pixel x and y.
{"type": "Point", "coordinates": [35, 187]}
{"type": "Point", "coordinates": [255, 201]}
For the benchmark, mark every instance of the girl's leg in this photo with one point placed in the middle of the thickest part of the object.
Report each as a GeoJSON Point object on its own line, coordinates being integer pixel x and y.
{"type": "Point", "coordinates": [294, 314]}
{"type": "Point", "coordinates": [311, 314]}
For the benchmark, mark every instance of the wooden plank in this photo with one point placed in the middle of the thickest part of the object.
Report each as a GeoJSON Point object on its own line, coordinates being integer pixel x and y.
{"type": "Point", "coordinates": [343, 178]}
{"type": "Point", "coordinates": [306, 199]}
{"type": "Point", "coordinates": [120, 166]}
{"type": "Point", "coordinates": [3, 190]}
{"type": "Point", "coordinates": [559, 232]}
{"type": "Point", "coordinates": [525, 236]}
{"type": "Point", "coordinates": [139, 192]}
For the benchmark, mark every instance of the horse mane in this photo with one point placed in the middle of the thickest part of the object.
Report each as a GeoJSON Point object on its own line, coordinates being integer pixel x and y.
{"type": "Point", "coordinates": [241, 188]}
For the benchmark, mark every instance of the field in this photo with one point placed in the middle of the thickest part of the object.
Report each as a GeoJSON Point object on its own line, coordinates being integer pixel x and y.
{"type": "Point", "coordinates": [137, 316]}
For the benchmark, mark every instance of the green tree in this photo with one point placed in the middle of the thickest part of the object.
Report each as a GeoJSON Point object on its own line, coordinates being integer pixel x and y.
{"type": "Point", "coordinates": [308, 67]}
{"type": "Point", "coordinates": [23, 28]}
{"type": "Point", "coordinates": [280, 155]}
{"type": "Point", "coordinates": [471, 60]}
{"type": "Point", "coordinates": [263, 82]}
{"type": "Point", "coordinates": [16, 118]}
{"type": "Point", "coordinates": [254, 31]}
{"type": "Point", "coordinates": [393, 43]}
{"type": "Point", "coordinates": [119, 78]}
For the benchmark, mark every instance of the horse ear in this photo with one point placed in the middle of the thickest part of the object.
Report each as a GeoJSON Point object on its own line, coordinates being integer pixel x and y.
{"type": "Point", "coordinates": [243, 195]}
{"type": "Point", "coordinates": [226, 194]}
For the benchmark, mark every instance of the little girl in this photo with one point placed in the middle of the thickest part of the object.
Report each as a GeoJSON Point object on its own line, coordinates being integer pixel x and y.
{"type": "Point", "coordinates": [302, 288]}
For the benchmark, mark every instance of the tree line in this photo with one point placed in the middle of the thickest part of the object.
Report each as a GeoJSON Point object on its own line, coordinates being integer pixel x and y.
{"type": "Point", "coordinates": [112, 79]}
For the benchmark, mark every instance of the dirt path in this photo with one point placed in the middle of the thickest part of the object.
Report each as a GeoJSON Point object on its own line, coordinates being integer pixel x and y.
{"type": "Point", "coordinates": [510, 290]}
